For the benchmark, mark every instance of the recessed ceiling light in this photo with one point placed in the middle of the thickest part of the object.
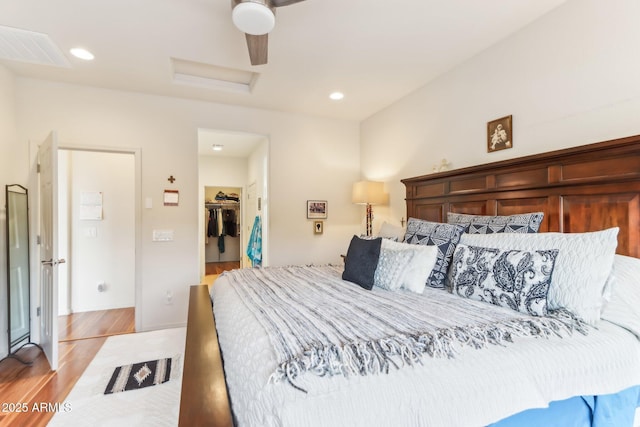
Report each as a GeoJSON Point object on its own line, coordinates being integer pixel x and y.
{"type": "Point", "coordinates": [336, 96]}
{"type": "Point", "coordinates": [81, 53]}
{"type": "Point", "coordinates": [217, 147]}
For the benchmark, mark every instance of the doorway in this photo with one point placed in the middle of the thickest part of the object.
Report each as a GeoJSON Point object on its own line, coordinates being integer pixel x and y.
{"type": "Point", "coordinates": [232, 163]}
{"type": "Point", "coordinates": [97, 229]}
{"type": "Point", "coordinates": [223, 246]}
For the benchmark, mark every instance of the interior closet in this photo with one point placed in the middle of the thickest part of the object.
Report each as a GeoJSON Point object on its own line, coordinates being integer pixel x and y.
{"type": "Point", "coordinates": [222, 224]}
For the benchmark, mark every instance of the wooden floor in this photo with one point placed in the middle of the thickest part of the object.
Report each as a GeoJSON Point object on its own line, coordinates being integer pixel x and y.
{"type": "Point", "coordinates": [214, 269]}
{"type": "Point", "coordinates": [29, 387]}
{"type": "Point", "coordinates": [220, 267]}
{"type": "Point", "coordinates": [91, 324]}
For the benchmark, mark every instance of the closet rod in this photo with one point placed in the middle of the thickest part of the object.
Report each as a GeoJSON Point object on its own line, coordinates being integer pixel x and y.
{"type": "Point", "coordinates": [223, 205]}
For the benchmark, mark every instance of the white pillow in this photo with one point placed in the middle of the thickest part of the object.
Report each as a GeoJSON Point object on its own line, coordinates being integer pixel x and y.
{"type": "Point", "coordinates": [390, 230]}
{"type": "Point", "coordinates": [405, 266]}
{"type": "Point", "coordinates": [622, 310]}
{"type": "Point", "coordinates": [582, 268]}
{"type": "Point", "coordinates": [392, 267]}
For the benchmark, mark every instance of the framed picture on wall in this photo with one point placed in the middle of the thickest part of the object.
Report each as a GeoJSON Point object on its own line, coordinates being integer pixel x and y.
{"type": "Point", "coordinates": [171, 197]}
{"type": "Point", "coordinates": [318, 227]}
{"type": "Point", "coordinates": [316, 209]}
{"type": "Point", "coordinates": [499, 134]}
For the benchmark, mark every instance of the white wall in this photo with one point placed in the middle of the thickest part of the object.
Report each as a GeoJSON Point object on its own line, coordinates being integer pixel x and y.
{"type": "Point", "coordinates": [316, 165]}
{"type": "Point", "coordinates": [568, 79]}
{"type": "Point", "coordinates": [310, 158]}
{"type": "Point", "coordinates": [9, 174]}
{"type": "Point", "coordinates": [96, 251]}
{"type": "Point", "coordinates": [103, 251]}
{"type": "Point", "coordinates": [257, 194]}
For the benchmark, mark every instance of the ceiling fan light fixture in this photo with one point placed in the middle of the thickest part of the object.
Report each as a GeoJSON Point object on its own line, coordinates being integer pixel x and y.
{"type": "Point", "coordinates": [253, 18]}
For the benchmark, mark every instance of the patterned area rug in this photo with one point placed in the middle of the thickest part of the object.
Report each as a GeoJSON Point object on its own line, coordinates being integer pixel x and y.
{"type": "Point", "coordinates": [139, 375]}
{"type": "Point", "coordinates": [88, 405]}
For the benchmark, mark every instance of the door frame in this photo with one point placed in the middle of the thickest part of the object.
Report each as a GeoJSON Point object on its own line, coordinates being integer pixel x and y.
{"type": "Point", "coordinates": [137, 213]}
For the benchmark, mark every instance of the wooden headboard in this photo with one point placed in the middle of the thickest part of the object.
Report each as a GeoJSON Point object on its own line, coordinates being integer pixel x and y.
{"type": "Point", "coordinates": [586, 188]}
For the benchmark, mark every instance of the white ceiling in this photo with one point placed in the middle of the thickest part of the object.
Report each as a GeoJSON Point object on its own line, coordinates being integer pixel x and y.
{"type": "Point", "coordinates": [374, 51]}
{"type": "Point", "coordinates": [234, 144]}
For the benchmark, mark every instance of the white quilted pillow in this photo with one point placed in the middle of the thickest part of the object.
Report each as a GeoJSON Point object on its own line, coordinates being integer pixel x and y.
{"type": "Point", "coordinates": [392, 268]}
{"type": "Point", "coordinates": [390, 231]}
{"type": "Point", "coordinates": [622, 310]}
{"type": "Point", "coordinates": [405, 266]}
{"type": "Point", "coordinates": [582, 267]}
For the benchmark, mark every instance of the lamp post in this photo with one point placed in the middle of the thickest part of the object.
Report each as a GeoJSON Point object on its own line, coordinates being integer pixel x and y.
{"type": "Point", "coordinates": [369, 193]}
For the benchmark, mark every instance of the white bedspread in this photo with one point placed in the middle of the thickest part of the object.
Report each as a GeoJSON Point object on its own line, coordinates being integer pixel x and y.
{"type": "Point", "coordinates": [474, 389]}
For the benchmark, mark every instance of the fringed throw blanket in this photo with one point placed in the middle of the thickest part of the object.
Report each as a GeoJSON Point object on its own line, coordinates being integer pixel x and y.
{"type": "Point", "coordinates": [319, 323]}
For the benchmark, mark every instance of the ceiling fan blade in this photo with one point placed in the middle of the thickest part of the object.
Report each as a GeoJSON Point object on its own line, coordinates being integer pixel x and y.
{"type": "Point", "coordinates": [258, 48]}
{"type": "Point", "coordinates": [280, 3]}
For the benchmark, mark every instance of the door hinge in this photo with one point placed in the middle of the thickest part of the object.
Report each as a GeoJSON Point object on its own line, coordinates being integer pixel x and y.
{"type": "Point", "coordinates": [38, 310]}
{"type": "Point", "coordinates": [38, 240]}
{"type": "Point", "coordinates": [38, 168]}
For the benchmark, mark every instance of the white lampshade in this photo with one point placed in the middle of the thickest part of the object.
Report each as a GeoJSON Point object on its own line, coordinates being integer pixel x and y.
{"type": "Point", "coordinates": [253, 18]}
{"type": "Point", "coordinates": [369, 192]}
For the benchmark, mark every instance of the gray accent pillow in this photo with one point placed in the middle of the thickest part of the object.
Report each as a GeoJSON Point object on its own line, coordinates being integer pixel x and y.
{"type": "Point", "coordinates": [444, 236]}
{"type": "Point", "coordinates": [516, 279]}
{"type": "Point", "coordinates": [487, 224]}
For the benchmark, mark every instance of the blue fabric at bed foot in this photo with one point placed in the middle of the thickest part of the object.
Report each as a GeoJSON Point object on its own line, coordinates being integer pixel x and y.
{"type": "Point", "coordinates": [610, 410]}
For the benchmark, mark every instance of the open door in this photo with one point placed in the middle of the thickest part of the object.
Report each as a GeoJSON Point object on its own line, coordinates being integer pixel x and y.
{"type": "Point", "coordinates": [48, 167]}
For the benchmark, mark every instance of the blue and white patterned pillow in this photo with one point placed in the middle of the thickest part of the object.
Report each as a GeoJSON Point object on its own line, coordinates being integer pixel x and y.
{"type": "Point", "coordinates": [516, 279]}
{"type": "Point", "coordinates": [581, 270]}
{"type": "Point", "coordinates": [486, 224]}
{"type": "Point", "coordinates": [444, 236]}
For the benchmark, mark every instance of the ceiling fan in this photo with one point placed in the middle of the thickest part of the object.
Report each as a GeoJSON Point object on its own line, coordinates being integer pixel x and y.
{"type": "Point", "coordinates": [256, 18]}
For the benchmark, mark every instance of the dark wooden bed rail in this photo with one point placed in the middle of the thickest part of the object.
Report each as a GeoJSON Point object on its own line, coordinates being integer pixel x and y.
{"type": "Point", "coordinates": [580, 189]}
{"type": "Point", "coordinates": [204, 400]}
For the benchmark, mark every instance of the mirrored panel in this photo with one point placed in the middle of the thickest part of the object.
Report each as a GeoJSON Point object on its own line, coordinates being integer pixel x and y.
{"type": "Point", "coordinates": [18, 265]}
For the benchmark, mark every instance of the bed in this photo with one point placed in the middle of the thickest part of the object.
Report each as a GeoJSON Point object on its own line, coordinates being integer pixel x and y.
{"type": "Point", "coordinates": [586, 378]}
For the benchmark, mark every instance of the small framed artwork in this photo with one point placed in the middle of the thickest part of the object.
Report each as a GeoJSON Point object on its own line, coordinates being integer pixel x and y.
{"type": "Point", "coordinates": [318, 227]}
{"type": "Point", "coordinates": [499, 134]}
{"type": "Point", "coordinates": [316, 209]}
{"type": "Point", "coordinates": [171, 197]}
